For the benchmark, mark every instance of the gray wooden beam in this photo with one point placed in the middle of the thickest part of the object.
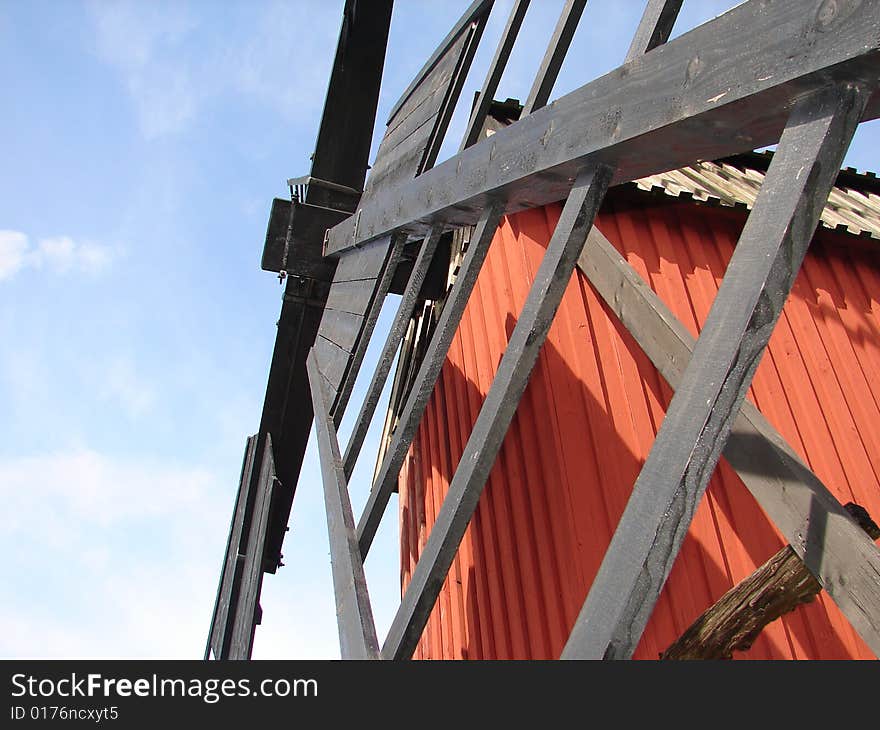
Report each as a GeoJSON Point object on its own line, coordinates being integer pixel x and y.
{"type": "Point", "coordinates": [432, 363]}
{"type": "Point", "coordinates": [542, 86]}
{"type": "Point", "coordinates": [220, 633]}
{"type": "Point", "coordinates": [498, 408]}
{"type": "Point", "coordinates": [723, 88]}
{"type": "Point", "coordinates": [654, 27]}
{"type": "Point", "coordinates": [392, 342]}
{"type": "Point", "coordinates": [694, 432]}
{"type": "Point", "coordinates": [357, 631]}
{"type": "Point", "coordinates": [253, 538]}
{"type": "Point", "coordinates": [493, 75]}
{"type": "Point", "coordinates": [837, 552]}
{"type": "Point", "coordinates": [383, 284]}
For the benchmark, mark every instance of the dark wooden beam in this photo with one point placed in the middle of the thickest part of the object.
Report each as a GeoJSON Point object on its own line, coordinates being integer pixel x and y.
{"type": "Point", "coordinates": [723, 88]}
{"type": "Point", "coordinates": [357, 631]}
{"type": "Point", "coordinates": [693, 434]}
{"type": "Point", "coordinates": [496, 70]}
{"type": "Point", "coordinates": [219, 635]}
{"type": "Point", "coordinates": [801, 507]}
{"type": "Point", "coordinates": [341, 156]}
{"type": "Point", "coordinates": [342, 149]}
{"type": "Point", "coordinates": [496, 413]}
{"type": "Point", "coordinates": [386, 478]}
{"type": "Point", "coordinates": [392, 342]}
{"type": "Point", "coordinates": [252, 543]}
{"type": "Point", "coordinates": [655, 26]}
{"type": "Point", "coordinates": [542, 86]}
{"type": "Point", "coordinates": [735, 620]}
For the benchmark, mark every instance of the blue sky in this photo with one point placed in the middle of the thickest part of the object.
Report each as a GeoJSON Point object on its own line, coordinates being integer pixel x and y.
{"type": "Point", "coordinates": [141, 144]}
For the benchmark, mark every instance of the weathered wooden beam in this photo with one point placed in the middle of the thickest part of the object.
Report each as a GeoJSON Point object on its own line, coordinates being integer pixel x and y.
{"type": "Point", "coordinates": [801, 507]}
{"type": "Point", "coordinates": [342, 148]}
{"type": "Point", "coordinates": [478, 10]}
{"type": "Point", "coordinates": [219, 635]}
{"type": "Point", "coordinates": [654, 27]}
{"type": "Point", "coordinates": [392, 342]}
{"type": "Point", "coordinates": [252, 543]}
{"type": "Point", "coordinates": [778, 587]}
{"type": "Point", "coordinates": [493, 75]}
{"type": "Point", "coordinates": [357, 630]}
{"type": "Point", "coordinates": [341, 155]}
{"type": "Point", "coordinates": [496, 413]}
{"type": "Point", "coordinates": [723, 88]}
{"type": "Point", "coordinates": [692, 436]}
{"type": "Point", "coordinates": [542, 86]}
{"type": "Point", "coordinates": [383, 284]}
{"type": "Point", "coordinates": [386, 477]}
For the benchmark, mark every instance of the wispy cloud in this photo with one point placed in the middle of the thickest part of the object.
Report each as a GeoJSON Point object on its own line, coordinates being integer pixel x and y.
{"type": "Point", "coordinates": [13, 250]}
{"type": "Point", "coordinates": [60, 254]}
{"type": "Point", "coordinates": [173, 66]}
{"type": "Point", "coordinates": [122, 544]}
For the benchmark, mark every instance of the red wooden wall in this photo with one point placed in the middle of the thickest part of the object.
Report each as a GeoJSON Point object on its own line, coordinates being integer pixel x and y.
{"type": "Point", "coordinates": [588, 419]}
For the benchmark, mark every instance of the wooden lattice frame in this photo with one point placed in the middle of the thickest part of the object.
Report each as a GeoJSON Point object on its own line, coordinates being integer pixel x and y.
{"type": "Point", "coordinates": [797, 73]}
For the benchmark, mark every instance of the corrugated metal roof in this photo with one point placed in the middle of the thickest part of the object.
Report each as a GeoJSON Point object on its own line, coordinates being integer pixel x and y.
{"type": "Point", "coordinates": [589, 417]}
{"type": "Point", "coordinates": [853, 205]}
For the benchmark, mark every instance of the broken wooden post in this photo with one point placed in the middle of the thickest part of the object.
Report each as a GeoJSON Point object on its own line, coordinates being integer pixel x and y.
{"type": "Point", "coordinates": [733, 623]}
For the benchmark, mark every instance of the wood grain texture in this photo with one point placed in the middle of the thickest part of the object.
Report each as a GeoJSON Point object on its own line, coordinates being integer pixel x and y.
{"type": "Point", "coordinates": [778, 587]}
{"type": "Point", "coordinates": [357, 631]}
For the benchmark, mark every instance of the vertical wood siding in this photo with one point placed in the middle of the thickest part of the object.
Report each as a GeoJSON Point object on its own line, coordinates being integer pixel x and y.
{"type": "Point", "coordinates": [588, 419]}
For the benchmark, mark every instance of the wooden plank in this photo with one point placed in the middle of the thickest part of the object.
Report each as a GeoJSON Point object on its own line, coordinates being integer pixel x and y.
{"type": "Point", "coordinates": [332, 360]}
{"type": "Point", "coordinates": [425, 103]}
{"type": "Point", "coordinates": [357, 631]}
{"type": "Point", "coordinates": [301, 227]}
{"type": "Point", "coordinates": [220, 635]}
{"type": "Point", "coordinates": [341, 328]}
{"type": "Point", "coordinates": [497, 412]}
{"type": "Point", "coordinates": [647, 116]}
{"type": "Point", "coordinates": [342, 148]}
{"type": "Point", "coordinates": [444, 116]}
{"type": "Point", "coordinates": [846, 564]}
{"type": "Point", "coordinates": [476, 10]}
{"type": "Point", "coordinates": [542, 86]}
{"type": "Point", "coordinates": [247, 607]}
{"type": "Point", "coordinates": [654, 27]}
{"type": "Point", "coordinates": [353, 297]}
{"type": "Point", "coordinates": [386, 477]}
{"type": "Point", "coordinates": [496, 70]}
{"type": "Point", "coordinates": [383, 284]}
{"type": "Point", "coordinates": [698, 420]}
{"type": "Point", "coordinates": [736, 619]}
{"type": "Point", "coordinates": [341, 157]}
{"type": "Point", "coordinates": [392, 342]}
{"type": "Point", "coordinates": [365, 262]}
{"type": "Point", "coordinates": [412, 146]}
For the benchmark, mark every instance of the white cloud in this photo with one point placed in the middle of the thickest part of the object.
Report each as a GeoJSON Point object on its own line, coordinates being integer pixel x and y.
{"type": "Point", "coordinates": [108, 556]}
{"type": "Point", "coordinates": [172, 66]}
{"type": "Point", "coordinates": [13, 248]}
{"type": "Point", "coordinates": [60, 254]}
